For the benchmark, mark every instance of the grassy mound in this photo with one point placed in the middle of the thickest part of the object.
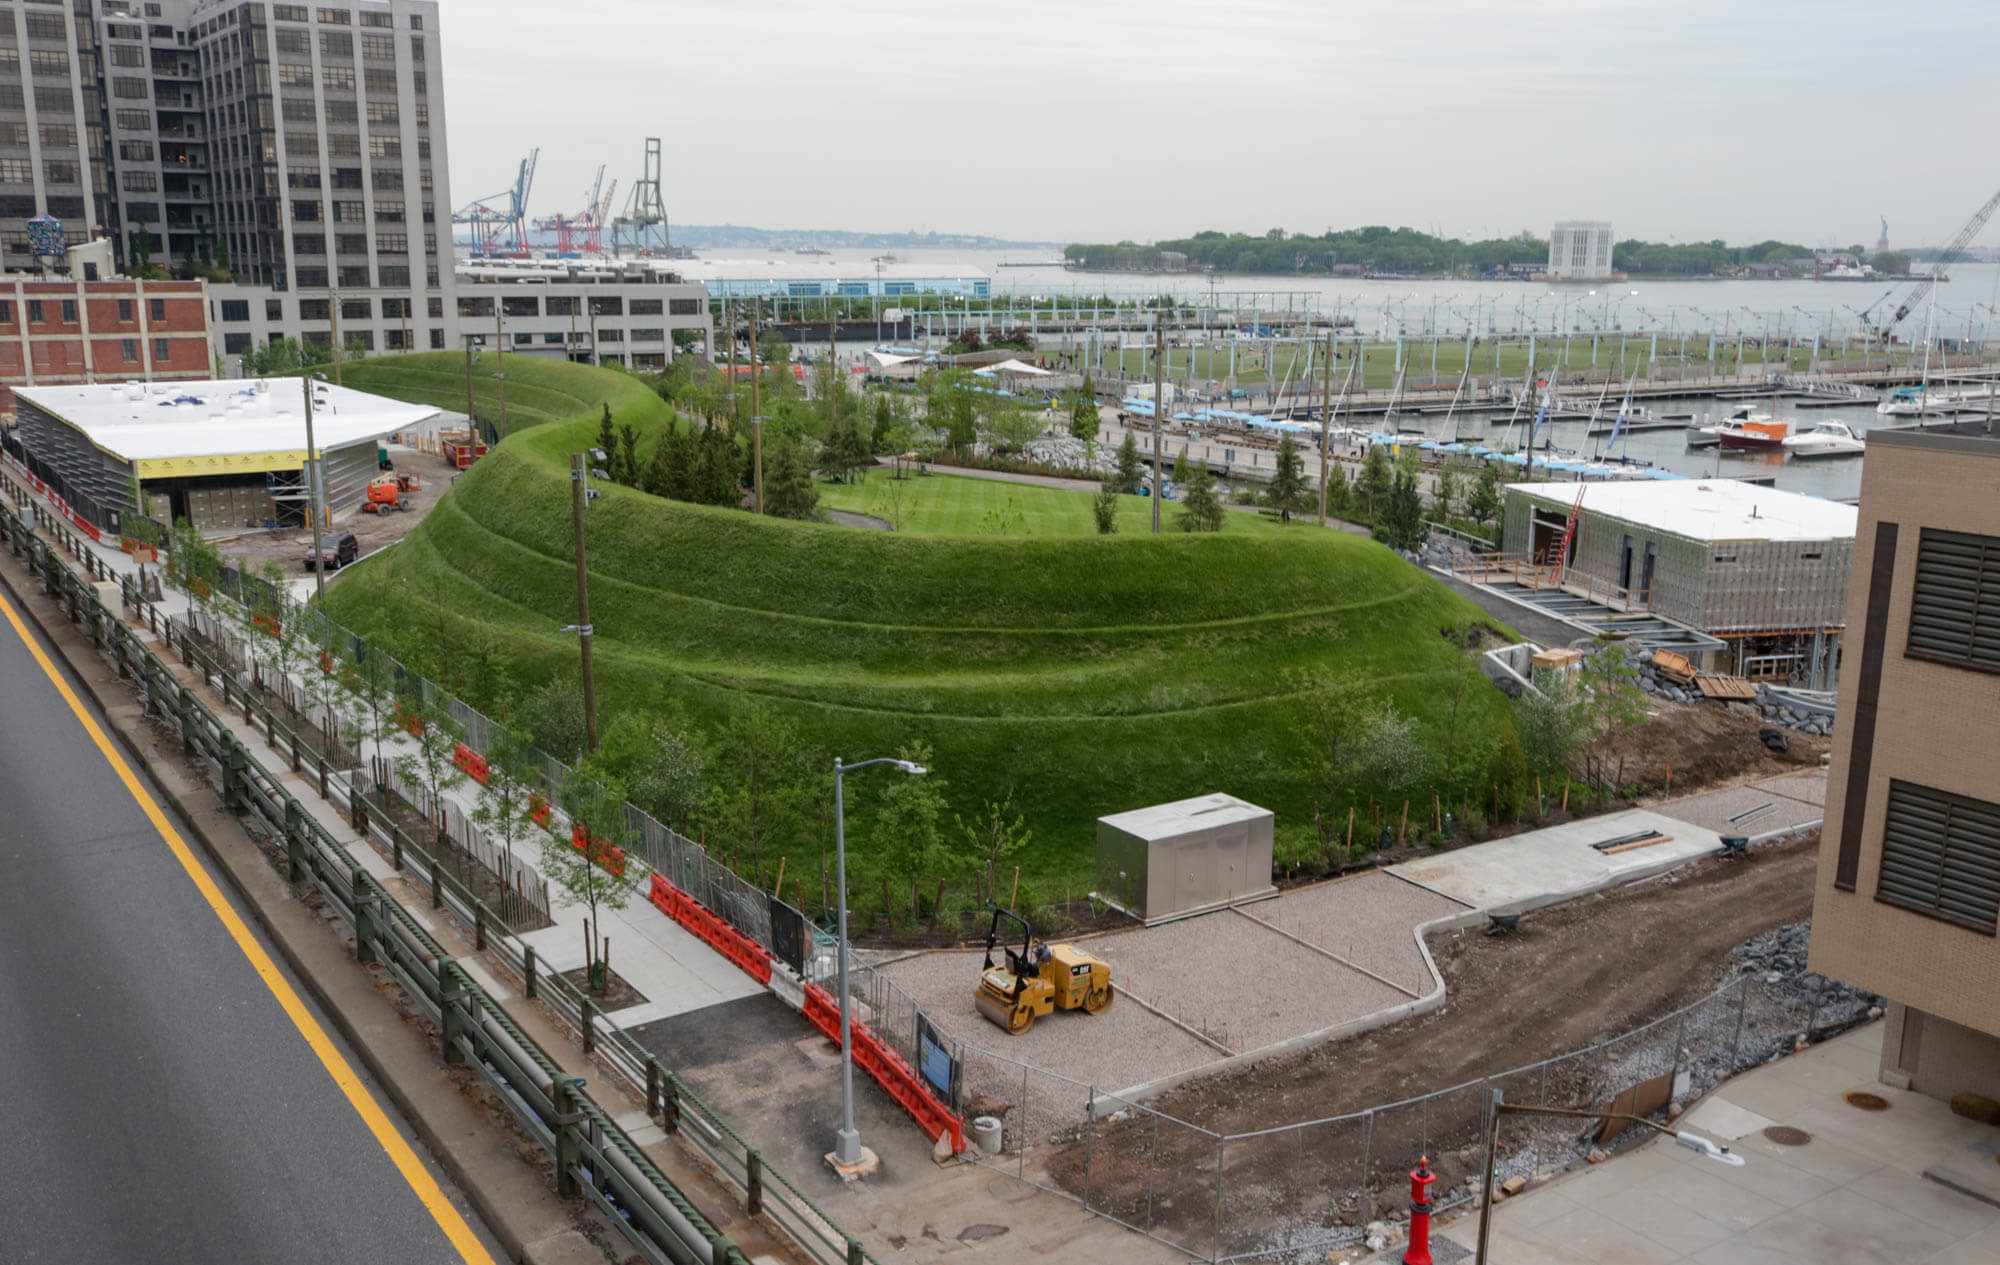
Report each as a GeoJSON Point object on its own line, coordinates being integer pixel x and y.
{"type": "Point", "coordinates": [957, 505]}
{"type": "Point", "coordinates": [1085, 674]}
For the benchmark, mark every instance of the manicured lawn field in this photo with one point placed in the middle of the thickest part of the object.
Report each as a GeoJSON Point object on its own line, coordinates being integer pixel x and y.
{"type": "Point", "coordinates": [957, 505]}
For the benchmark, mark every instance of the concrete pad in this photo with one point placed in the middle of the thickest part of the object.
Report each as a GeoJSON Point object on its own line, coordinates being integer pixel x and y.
{"type": "Point", "coordinates": [1557, 863]}
{"type": "Point", "coordinates": [1839, 1228]}
{"type": "Point", "coordinates": [1810, 787]}
{"type": "Point", "coordinates": [1723, 1120]}
{"type": "Point", "coordinates": [1712, 810]}
{"type": "Point", "coordinates": [1587, 1237]}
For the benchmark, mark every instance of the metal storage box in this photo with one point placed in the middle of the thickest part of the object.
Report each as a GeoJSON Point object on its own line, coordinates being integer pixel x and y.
{"type": "Point", "coordinates": [1187, 857]}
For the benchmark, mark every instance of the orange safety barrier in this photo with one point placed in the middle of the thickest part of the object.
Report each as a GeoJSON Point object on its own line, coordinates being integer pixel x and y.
{"type": "Point", "coordinates": [605, 857]}
{"type": "Point", "coordinates": [470, 763]}
{"type": "Point", "coordinates": [538, 810]}
{"type": "Point", "coordinates": [821, 1010]}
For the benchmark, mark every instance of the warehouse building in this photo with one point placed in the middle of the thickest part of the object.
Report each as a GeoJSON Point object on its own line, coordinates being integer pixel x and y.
{"type": "Point", "coordinates": [1761, 572]}
{"type": "Point", "coordinates": [224, 455]}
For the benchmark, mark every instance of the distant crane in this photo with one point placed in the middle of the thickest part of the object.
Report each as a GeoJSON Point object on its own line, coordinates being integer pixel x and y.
{"type": "Point", "coordinates": [499, 220]}
{"type": "Point", "coordinates": [643, 227]}
{"type": "Point", "coordinates": [1922, 286]}
{"type": "Point", "coordinates": [582, 234]}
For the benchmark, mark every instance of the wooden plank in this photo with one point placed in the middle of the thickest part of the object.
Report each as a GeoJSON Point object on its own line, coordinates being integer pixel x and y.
{"type": "Point", "coordinates": [1674, 667]}
{"type": "Point", "coordinates": [1723, 686]}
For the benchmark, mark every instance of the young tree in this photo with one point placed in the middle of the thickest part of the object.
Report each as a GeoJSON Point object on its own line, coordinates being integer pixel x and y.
{"type": "Point", "coordinates": [1180, 474]}
{"type": "Point", "coordinates": [1287, 491]}
{"type": "Point", "coordinates": [432, 737]}
{"type": "Point", "coordinates": [607, 439]}
{"type": "Point", "coordinates": [1338, 707]}
{"type": "Point", "coordinates": [652, 765]}
{"type": "Point", "coordinates": [906, 821]}
{"type": "Point", "coordinates": [589, 864]}
{"type": "Point", "coordinates": [991, 838]}
{"type": "Point", "coordinates": [789, 491]}
{"type": "Point", "coordinates": [1401, 520]}
{"type": "Point", "coordinates": [1104, 507]}
{"type": "Point", "coordinates": [1201, 508]}
{"type": "Point", "coordinates": [846, 451]}
{"type": "Point", "coordinates": [627, 469]}
{"type": "Point", "coordinates": [1445, 493]}
{"type": "Point", "coordinates": [1483, 504]}
{"type": "Point", "coordinates": [1131, 468]}
{"type": "Point", "coordinates": [762, 784]}
{"type": "Point", "coordinates": [506, 797]}
{"type": "Point", "coordinates": [1084, 421]}
{"type": "Point", "coordinates": [1373, 481]}
{"type": "Point", "coordinates": [1552, 723]}
{"type": "Point", "coordinates": [1339, 497]}
{"type": "Point", "coordinates": [1509, 776]}
{"type": "Point", "coordinates": [553, 717]}
{"type": "Point", "coordinates": [717, 469]}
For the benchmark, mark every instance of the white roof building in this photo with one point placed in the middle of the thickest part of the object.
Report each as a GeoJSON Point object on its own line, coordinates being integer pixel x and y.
{"type": "Point", "coordinates": [1709, 509]}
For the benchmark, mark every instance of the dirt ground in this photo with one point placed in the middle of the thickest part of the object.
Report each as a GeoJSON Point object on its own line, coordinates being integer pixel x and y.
{"type": "Point", "coordinates": [290, 545]}
{"type": "Point", "coordinates": [1705, 744]}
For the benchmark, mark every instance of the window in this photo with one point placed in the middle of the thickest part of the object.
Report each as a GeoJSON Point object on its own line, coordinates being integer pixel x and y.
{"type": "Point", "coordinates": [236, 344]}
{"type": "Point", "coordinates": [343, 146]}
{"type": "Point", "coordinates": [156, 309]}
{"type": "Point", "coordinates": [355, 277]}
{"type": "Point", "coordinates": [236, 309]}
{"type": "Point", "coordinates": [383, 81]}
{"type": "Point", "coordinates": [347, 177]}
{"type": "Point", "coordinates": [12, 133]}
{"type": "Point", "coordinates": [468, 305]}
{"type": "Point", "coordinates": [357, 309]}
{"type": "Point", "coordinates": [378, 19]}
{"type": "Point", "coordinates": [135, 151]}
{"type": "Point", "coordinates": [1955, 609]}
{"type": "Point", "coordinates": [435, 306]}
{"type": "Point", "coordinates": [274, 309]}
{"type": "Point", "coordinates": [649, 335]}
{"type": "Point", "coordinates": [127, 55]}
{"type": "Point", "coordinates": [521, 305]}
{"type": "Point", "coordinates": [386, 212]}
{"type": "Point", "coordinates": [437, 340]}
{"type": "Point", "coordinates": [139, 181]}
{"type": "Point", "coordinates": [125, 310]}
{"type": "Point", "coordinates": [289, 12]}
{"type": "Point", "coordinates": [34, 311]}
{"type": "Point", "coordinates": [352, 243]}
{"type": "Point", "coordinates": [293, 75]}
{"type": "Point", "coordinates": [337, 77]}
{"type": "Point", "coordinates": [349, 212]}
{"type": "Point", "coordinates": [336, 44]}
{"type": "Point", "coordinates": [126, 88]}
{"type": "Point", "coordinates": [294, 42]}
{"type": "Point", "coordinates": [394, 276]}
{"type": "Point", "coordinates": [299, 110]}
{"type": "Point", "coordinates": [388, 178]}
{"type": "Point", "coordinates": [55, 100]}
{"type": "Point", "coordinates": [17, 171]}
{"type": "Point", "coordinates": [611, 335]}
{"type": "Point", "coordinates": [60, 136]}
{"type": "Point", "coordinates": [49, 61]}
{"type": "Point", "coordinates": [606, 305]}
{"type": "Point", "coordinates": [417, 48]}
{"type": "Point", "coordinates": [383, 112]}
{"type": "Point", "coordinates": [338, 111]}
{"type": "Point", "coordinates": [134, 121]}
{"type": "Point", "coordinates": [10, 58]}
{"type": "Point", "coordinates": [305, 212]}
{"type": "Point", "coordinates": [524, 340]}
{"type": "Point", "coordinates": [312, 309]}
{"type": "Point", "coordinates": [1941, 855]}
{"type": "Point", "coordinates": [684, 307]}
{"type": "Point", "coordinates": [394, 308]}
{"type": "Point", "coordinates": [385, 147]}
{"type": "Point", "coordinates": [302, 144]}
{"type": "Point", "coordinates": [46, 26]}
{"type": "Point", "coordinates": [308, 243]}
{"type": "Point", "coordinates": [302, 177]}
{"type": "Point", "coordinates": [392, 244]}
{"type": "Point", "coordinates": [646, 307]}
{"type": "Point", "coordinates": [562, 305]}
{"type": "Point", "coordinates": [333, 17]}
{"type": "Point", "coordinates": [129, 349]}
{"type": "Point", "coordinates": [379, 47]}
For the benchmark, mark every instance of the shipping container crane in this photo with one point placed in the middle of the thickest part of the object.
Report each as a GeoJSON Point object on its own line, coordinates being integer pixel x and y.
{"type": "Point", "coordinates": [499, 220]}
{"type": "Point", "coordinates": [1915, 294]}
{"type": "Point", "coordinates": [643, 227]}
{"type": "Point", "coordinates": [582, 234]}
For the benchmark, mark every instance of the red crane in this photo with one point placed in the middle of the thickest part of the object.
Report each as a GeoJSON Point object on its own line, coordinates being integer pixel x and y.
{"type": "Point", "coordinates": [583, 233]}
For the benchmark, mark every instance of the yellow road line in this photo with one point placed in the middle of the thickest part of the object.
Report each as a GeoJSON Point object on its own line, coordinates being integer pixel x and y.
{"type": "Point", "coordinates": [427, 1191]}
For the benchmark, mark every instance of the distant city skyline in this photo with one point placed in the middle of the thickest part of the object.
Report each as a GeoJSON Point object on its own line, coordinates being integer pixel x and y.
{"type": "Point", "coordinates": [1121, 119]}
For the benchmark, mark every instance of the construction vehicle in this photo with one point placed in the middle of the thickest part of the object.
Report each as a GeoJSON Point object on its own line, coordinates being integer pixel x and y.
{"type": "Point", "coordinates": [1038, 979]}
{"type": "Point", "coordinates": [385, 493]}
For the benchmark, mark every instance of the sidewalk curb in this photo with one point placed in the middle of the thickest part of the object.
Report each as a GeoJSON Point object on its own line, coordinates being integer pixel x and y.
{"type": "Point", "coordinates": [531, 1225]}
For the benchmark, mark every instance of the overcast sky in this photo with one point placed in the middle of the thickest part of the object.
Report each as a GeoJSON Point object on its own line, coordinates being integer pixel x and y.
{"type": "Point", "coordinates": [1107, 119]}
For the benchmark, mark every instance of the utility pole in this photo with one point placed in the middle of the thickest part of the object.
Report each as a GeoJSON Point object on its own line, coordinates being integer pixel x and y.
{"type": "Point", "coordinates": [468, 382]}
{"type": "Point", "coordinates": [312, 494]}
{"type": "Point", "coordinates": [1325, 423]}
{"type": "Point", "coordinates": [757, 417]}
{"type": "Point", "coordinates": [579, 475]}
{"type": "Point", "coordinates": [500, 368]}
{"type": "Point", "coordinates": [1159, 404]}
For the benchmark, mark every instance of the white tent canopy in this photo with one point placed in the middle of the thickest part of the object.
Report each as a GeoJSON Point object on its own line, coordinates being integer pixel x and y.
{"type": "Point", "coordinates": [1014, 366]}
{"type": "Point", "coordinates": [889, 360]}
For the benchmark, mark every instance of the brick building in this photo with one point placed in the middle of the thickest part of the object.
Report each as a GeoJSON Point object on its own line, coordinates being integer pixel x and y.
{"type": "Point", "coordinates": [1909, 867]}
{"type": "Point", "coordinates": [61, 332]}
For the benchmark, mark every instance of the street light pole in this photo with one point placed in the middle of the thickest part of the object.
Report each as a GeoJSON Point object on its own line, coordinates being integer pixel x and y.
{"type": "Point", "coordinates": [1159, 405]}
{"type": "Point", "coordinates": [847, 1141]}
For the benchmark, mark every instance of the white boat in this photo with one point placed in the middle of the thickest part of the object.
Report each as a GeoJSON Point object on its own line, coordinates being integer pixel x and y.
{"type": "Point", "coordinates": [1708, 434]}
{"type": "Point", "coordinates": [1828, 439]}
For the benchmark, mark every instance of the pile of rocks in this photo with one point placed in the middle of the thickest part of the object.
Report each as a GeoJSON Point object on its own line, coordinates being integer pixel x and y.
{"type": "Point", "coordinates": [1780, 957]}
{"type": "Point", "coordinates": [1777, 712]}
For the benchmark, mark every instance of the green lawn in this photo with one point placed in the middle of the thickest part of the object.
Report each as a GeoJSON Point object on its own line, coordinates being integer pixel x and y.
{"type": "Point", "coordinates": [1083, 674]}
{"type": "Point", "coordinates": [956, 505]}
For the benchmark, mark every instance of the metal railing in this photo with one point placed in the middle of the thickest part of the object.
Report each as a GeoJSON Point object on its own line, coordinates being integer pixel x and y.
{"type": "Point", "coordinates": [593, 1157]}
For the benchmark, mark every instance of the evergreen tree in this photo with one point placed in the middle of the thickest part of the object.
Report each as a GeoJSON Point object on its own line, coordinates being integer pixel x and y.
{"type": "Point", "coordinates": [1401, 521]}
{"type": "Point", "coordinates": [627, 469]}
{"type": "Point", "coordinates": [684, 470]}
{"type": "Point", "coordinates": [1373, 481]}
{"type": "Point", "coordinates": [1181, 466]}
{"type": "Point", "coordinates": [1509, 776]}
{"type": "Point", "coordinates": [1339, 497]}
{"type": "Point", "coordinates": [884, 423]}
{"type": "Point", "coordinates": [1201, 508]}
{"type": "Point", "coordinates": [1130, 469]}
{"type": "Point", "coordinates": [607, 440]}
{"type": "Point", "coordinates": [1444, 493]}
{"type": "Point", "coordinates": [1104, 507]}
{"type": "Point", "coordinates": [1484, 502]}
{"type": "Point", "coordinates": [658, 477]}
{"type": "Point", "coordinates": [1083, 418]}
{"type": "Point", "coordinates": [718, 469]}
{"type": "Point", "coordinates": [1288, 478]}
{"type": "Point", "coordinates": [789, 491]}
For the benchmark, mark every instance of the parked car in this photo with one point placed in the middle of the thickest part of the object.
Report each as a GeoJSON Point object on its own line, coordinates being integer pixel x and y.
{"type": "Point", "coordinates": [335, 552]}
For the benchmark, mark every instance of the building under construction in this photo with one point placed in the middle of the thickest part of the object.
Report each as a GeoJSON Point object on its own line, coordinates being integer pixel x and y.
{"type": "Point", "coordinates": [1744, 579]}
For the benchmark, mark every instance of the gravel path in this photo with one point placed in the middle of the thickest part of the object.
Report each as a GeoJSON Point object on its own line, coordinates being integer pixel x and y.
{"type": "Point", "coordinates": [1367, 919]}
{"type": "Point", "coordinates": [1796, 799]}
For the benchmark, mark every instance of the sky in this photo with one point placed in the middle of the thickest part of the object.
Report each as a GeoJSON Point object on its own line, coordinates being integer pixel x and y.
{"type": "Point", "coordinates": [1093, 120]}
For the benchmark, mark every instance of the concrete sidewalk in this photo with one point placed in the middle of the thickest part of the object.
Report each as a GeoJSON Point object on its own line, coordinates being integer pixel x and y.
{"type": "Point", "coordinates": [1909, 1183]}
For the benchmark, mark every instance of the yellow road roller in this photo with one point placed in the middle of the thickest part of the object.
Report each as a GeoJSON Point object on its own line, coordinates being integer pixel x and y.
{"type": "Point", "coordinates": [1038, 979]}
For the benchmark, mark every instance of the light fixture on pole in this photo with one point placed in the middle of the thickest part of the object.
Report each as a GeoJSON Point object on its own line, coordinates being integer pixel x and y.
{"type": "Point", "coordinates": [847, 1142]}
{"type": "Point", "coordinates": [1498, 1107]}
{"type": "Point", "coordinates": [581, 494]}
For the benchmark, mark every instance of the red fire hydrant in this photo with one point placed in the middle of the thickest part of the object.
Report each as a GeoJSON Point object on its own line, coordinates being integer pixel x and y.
{"type": "Point", "coordinates": [1421, 1177]}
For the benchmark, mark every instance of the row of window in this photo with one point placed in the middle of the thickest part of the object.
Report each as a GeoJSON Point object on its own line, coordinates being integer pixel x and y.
{"type": "Point", "coordinates": [237, 311]}
{"type": "Point", "coordinates": [338, 17]}
{"type": "Point", "coordinates": [566, 305]}
{"type": "Point", "coordinates": [43, 61]}
{"type": "Point", "coordinates": [49, 98]}
{"type": "Point", "coordinates": [357, 243]}
{"type": "Point", "coordinates": [38, 311]}
{"type": "Point", "coordinates": [342, 145]}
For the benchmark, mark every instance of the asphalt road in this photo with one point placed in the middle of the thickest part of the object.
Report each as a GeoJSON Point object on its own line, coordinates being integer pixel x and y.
{"type": "Point", "coordinates": [157, 1103]}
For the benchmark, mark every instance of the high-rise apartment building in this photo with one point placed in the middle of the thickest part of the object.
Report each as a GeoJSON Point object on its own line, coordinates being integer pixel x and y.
{"type": "Point", "coordinates": [303, 146]}
{"type": "Point", "coordinates": [1580, 250]}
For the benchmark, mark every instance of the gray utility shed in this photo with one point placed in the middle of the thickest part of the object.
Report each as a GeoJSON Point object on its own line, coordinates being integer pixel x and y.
{"type": "Point", "coordinates": [1187, 857]}
{"type": "Point", "coordinates": [1718, 555]}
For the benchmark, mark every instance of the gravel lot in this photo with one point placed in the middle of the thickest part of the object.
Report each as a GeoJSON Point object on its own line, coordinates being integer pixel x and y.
{"type": "Point", "coordinates": [1227, 975]}
{"type": "Point", "coordinates": [1796, 799]}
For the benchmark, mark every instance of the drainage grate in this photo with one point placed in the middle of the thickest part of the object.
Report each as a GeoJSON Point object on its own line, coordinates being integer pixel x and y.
{"type": "Point", "coordinates": [1866, 1101]}
{"type": "Point", "coordinates": [1786, 1135]}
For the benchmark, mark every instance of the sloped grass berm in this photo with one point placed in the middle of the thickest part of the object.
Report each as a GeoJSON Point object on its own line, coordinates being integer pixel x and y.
{"type": "Point", "coordinates": [1086, 675]}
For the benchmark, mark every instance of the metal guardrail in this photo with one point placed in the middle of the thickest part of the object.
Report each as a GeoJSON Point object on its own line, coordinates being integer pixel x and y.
{"type": "Point", "coordinates": [594, 1158]}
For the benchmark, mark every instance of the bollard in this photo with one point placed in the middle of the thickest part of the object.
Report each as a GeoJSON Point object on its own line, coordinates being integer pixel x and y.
{"type": "Point", "coordinates": [652, 1084]}
{"type": "Point", "coordinates": [586, 1015]}
{"type": "Point", "coordinates": [1421, 1177]}
{"type": "Point", "coordinates": [528, 971]}
{"type": "Point", "coordinates": [753, 1182]}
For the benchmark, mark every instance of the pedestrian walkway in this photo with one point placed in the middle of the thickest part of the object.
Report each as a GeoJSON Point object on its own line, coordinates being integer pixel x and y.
{"type": "Point", "coordinates": [1823, 1182]}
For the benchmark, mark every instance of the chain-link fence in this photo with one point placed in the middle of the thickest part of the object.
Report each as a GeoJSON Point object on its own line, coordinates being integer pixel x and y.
{"type": "Point", "coordinates": [1298, 1190]}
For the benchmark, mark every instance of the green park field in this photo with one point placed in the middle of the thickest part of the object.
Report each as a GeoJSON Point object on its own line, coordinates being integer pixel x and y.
{"type": "Point", "coordinates": [957, 505]}
{"type": "Point", "coordinates": [1081, 674]}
